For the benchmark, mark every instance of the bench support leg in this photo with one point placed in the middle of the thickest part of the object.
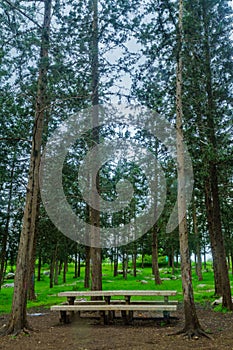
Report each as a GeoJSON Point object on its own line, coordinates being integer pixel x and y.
{"type": "Point", "coordinates": [64, 317]}
{"type": "Point", "coordinates": [127, 316]}
{"type": "Point", "coordinates": [166, 316]}
{"type": "Point", "coordinates": [71, 300]}
{"type": "Point", "coordinates": [104, 317]}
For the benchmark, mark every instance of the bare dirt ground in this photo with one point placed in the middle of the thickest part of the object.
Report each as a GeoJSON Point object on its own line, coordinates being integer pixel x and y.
{"type": "Point", "coordinates": [89, 334]}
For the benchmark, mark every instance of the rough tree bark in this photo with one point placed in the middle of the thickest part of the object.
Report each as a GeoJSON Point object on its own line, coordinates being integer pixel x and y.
{"type": "Point", "coordinates": [155, 230]}
{"type": "Point", "coordinates": [95, 251]}
{"type": "Point", "coordinates": [77, 262]}
{"type": "Point", "coordinates": [6, 228]}
{"type": "Point", "coordinates": [87, 268]}
{"type": "Point", "coordinates": [56, 270]}
{"type": "Point", "coordinates": [134, 259]}
{"type": "Point", "coordinates": [39, 266]}
{"type": "Point", "coordinates": [115, 262]}
{"type": "Point", "coordinates": [155, 256]}
{"type": "Point", "coordinates": [52, 266]}
{"type": "Point", "coordinates": [213, 242]}
{"type": "Point", "coordinates": [192, 326]}
{"type": "Point", "coordinates": [213, 172]}
{"type": "Point", "coordinates": [31, 283]}
{"type": "Point", "coordinates": [198, 248]}
{"type": "Point", "coordinates": [18, 318]}
{"type": "Point", "coordinates": [209, 211]}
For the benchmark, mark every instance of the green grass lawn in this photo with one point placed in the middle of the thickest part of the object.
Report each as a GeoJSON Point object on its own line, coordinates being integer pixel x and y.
{"type": "Point", "coordinates": [203, 290]}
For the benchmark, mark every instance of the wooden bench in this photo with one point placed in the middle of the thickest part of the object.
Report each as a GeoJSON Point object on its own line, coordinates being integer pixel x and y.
{"type": "Point", "coordinates": [106, 310]}
{"type": "Point", "coordinates": [108, 306]}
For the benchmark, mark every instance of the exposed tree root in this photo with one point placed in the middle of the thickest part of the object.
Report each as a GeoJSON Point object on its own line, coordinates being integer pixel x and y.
{"type": "Point", "coordinates": [10, 330]}
{"type": "Point", "coordinates": [2, 330]}
{"type": "Point", "coordinates": [192, 333]}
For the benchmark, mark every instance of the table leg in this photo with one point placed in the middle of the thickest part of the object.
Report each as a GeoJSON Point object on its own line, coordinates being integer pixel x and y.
{"type": "Point", "coordinates": [129, 314]}
{"type": "Point", "coordinates": [166, 314]}
{"type": "Point", "coordinates": [104, 317]}
{"type": "Point", "coordinates": [71, 302]}
{"type": "Point", "coordinates": [65, 318]}
{"type": "Point", "coordinates": [111, 314]}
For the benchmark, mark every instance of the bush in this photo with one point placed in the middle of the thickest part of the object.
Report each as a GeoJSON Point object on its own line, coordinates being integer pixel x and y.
{"type": "Point", "coordinates": [148, 261]}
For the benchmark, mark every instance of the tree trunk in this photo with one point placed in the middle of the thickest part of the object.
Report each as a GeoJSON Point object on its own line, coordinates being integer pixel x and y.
{"type": "Point", "coordinates": [39, 267]}
{"type": "Point", "coordinates": [205, 264]}
{"type": "Point", "coordinates": [198, 248]}
{"type": "Point", "coordinates": [65, 269]}
{"type": "Point", "coordinates": [213, 177]}
{"type": "Point", "coordinates": [143, 257]}
{"type": "Point", "coordinates": [79, 264]}
{"type": "Point", "coordinates": [31, 286]}
{"type": "Point", "coordinates": [87, 269]}
{"type": "Point", "coordinates": [226, 288]}
{"type": "Point", "coordinates": [6, 228]}
{"type": "Point", "coordinates": [52, 266]}
{"type": "Point", "coordinates": [173, 261]}
{"type": "Point", "coordinates": [115, 262]}
{"type": "Point", "coordinates": [155, 257]}
{"type": "Point", "coordinates": [76, 257]}
{"type": "Point", "coordinates": [213, 242]}
{"type": "Point", "coordinates": [155, 263]}
{"type": "Point", "coordinates": [192, 326]}
{"type": "Point", "coordinates": [125, 265]}
{"type": "Point", "coordinates": [95, 251]}
{"type": "Point", "coordinates": [96, 268]}
{"type": "Point", "coordinates": [134, 259]}
{"type": "Point", "coordinates": [18, 317]}
{"type": "Point", "coordinates": [232, 262]}
{"type": "Point", "coordinates": [209, 215]}
{"type": "Point", "coordinates": [56, 271]}
{"type": "Point", "coordinates": [60, 267]}
{"type": "Point", "coordinates": [77, 267]}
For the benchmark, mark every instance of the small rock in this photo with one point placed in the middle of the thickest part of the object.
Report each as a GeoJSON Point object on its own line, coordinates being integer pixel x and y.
{"type": "Point", "coordinates": [10, 276]}
{"type": "Point", "coordinates": [217, 301]}
{"type": "Point", "coordinates": [8, 285]}
{"type": "Point", "coordinates": [144, 282]}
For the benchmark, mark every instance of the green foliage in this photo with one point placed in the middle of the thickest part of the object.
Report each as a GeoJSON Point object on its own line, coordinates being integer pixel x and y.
{"type": "Point", "coordinates": [219, 308]}
{"type": "Point", "coordinates": [147, 261]}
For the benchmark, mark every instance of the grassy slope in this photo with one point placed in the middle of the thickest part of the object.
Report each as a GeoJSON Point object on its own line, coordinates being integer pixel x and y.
{"type": "Point", "coordinates": [203, 291]}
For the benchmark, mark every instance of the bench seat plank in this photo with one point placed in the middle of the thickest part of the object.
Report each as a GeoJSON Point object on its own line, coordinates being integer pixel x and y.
{"type": "Point", "coordinates": [112, 307]}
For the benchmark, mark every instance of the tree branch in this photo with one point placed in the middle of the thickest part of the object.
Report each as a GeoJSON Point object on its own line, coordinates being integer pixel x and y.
{"type": "Point", "coordinates": [13, 139]}
{"type": "Point", "coordinates": [22, 12]}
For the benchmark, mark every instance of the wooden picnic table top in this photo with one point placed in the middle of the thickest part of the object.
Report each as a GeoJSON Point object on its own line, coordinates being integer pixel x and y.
{"type": "Point", "coordinates": [106, 293]}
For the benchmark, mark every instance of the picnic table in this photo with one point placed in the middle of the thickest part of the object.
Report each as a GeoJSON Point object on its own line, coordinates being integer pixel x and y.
{"type": "Point", "coordinates": [108, 305]}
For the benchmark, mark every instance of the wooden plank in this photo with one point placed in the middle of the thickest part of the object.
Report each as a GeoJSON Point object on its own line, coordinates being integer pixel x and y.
{"type": "Point", "coordinates": [99, 302]}
{"type": "Point", "coordinates": [118, 293]}
{"type": "Point", "coordinates": [156, 302]}
{"type": "Point", "coordinates": [124, 307]}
